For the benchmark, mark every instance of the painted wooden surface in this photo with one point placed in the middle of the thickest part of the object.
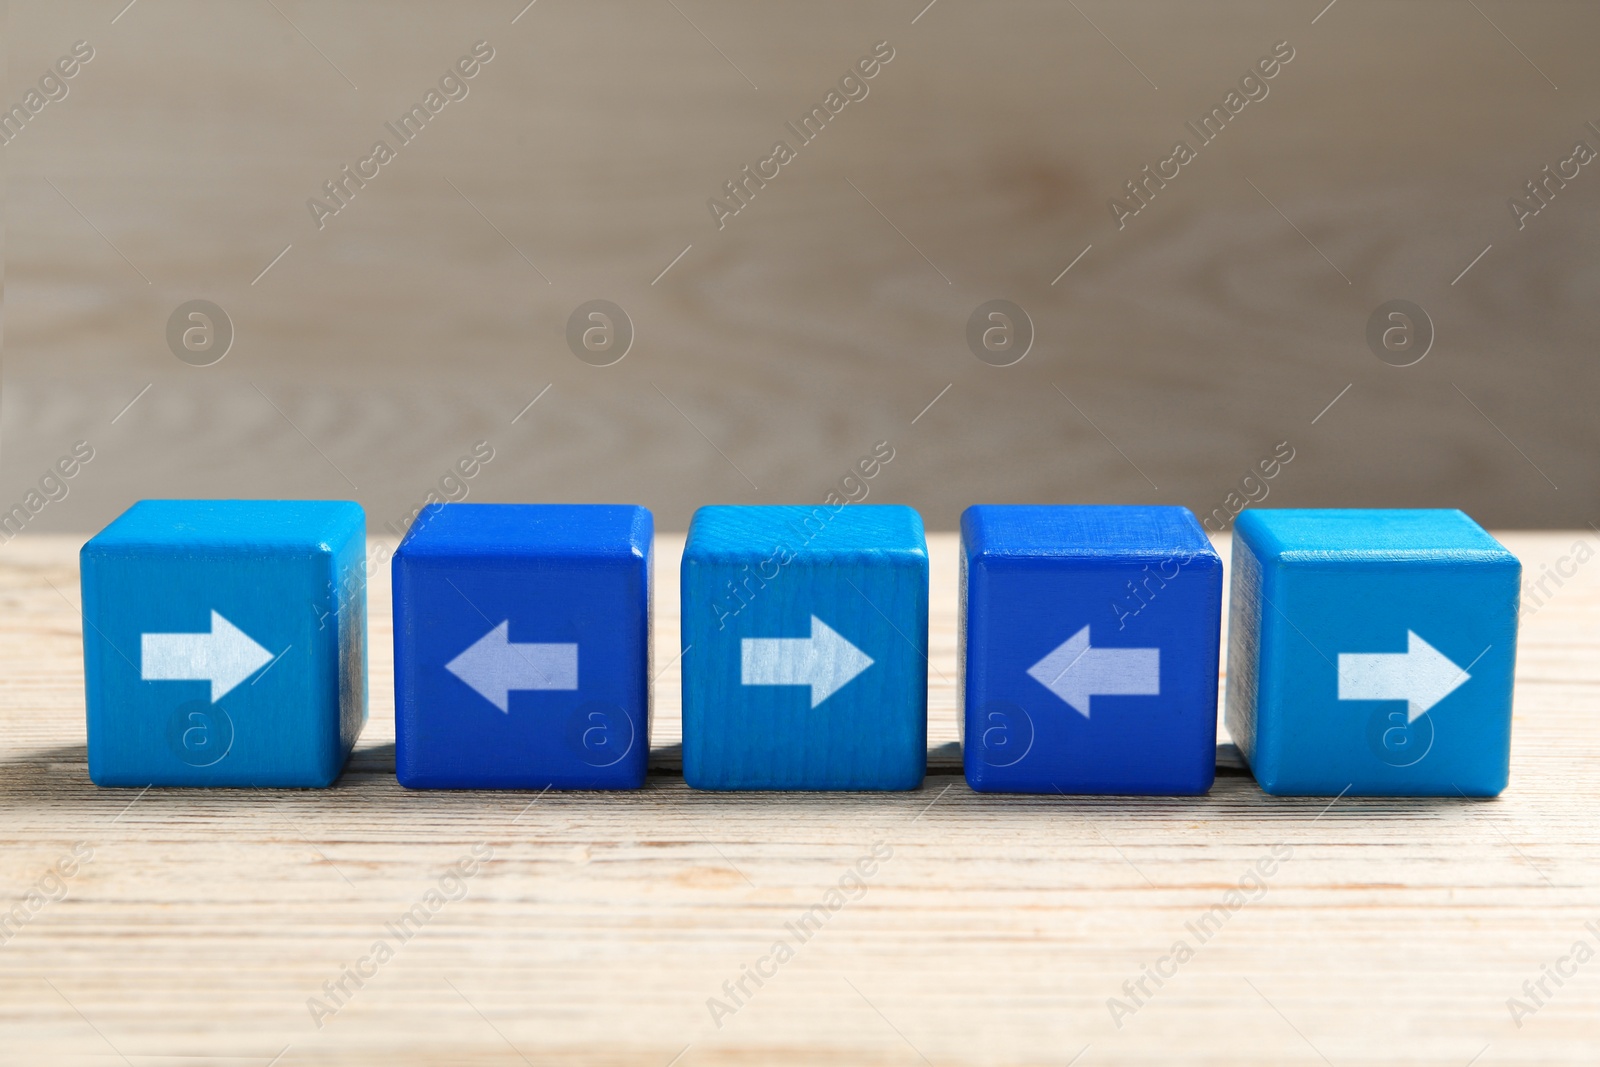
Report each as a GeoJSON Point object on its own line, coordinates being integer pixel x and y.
{"type": "Point", "coordinates": [1373, 652]}
{"type": "Point", "coordinates": [522, 650]}
{"type": "Point", "coordinates": [805, 648]}
{"type": "Point", "coordinates": [226, 643]}
{"type": "Point", "coordinates": [595, 927]}
{"type": "Point", "coordinates": [1091, 649]}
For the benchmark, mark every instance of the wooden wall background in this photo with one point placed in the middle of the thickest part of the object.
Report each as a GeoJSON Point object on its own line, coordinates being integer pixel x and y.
{"type": "Point", "coordinates": [828, 314]}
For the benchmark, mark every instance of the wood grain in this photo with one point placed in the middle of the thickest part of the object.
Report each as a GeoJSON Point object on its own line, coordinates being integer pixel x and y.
{"type": "Point", "coordinates": [994, 933]}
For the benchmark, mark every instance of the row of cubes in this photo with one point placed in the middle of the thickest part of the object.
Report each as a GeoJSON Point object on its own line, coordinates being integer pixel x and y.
{"type": "Point", "coordinates": [1370, 652]}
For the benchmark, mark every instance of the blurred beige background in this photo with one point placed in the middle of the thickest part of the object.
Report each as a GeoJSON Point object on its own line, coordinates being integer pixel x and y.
{"type": "Point", "coordinates": [370, 355]}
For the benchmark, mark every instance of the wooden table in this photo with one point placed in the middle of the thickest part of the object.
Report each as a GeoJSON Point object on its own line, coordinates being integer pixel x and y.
{"type": "Point", "coordinates": [195, 926]}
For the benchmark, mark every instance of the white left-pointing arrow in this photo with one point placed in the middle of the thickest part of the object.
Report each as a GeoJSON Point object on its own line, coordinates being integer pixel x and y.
{"type": "Point", "coordinates": [494, 666]}
{"type": "Point", "coordinates": [224, 657]}
{"type": "Point", "coordinates": [1421, 676]}
{"type": "Point", "coordinates": [825, 661]}
{"type": "Point", "coordinates": [1076, 671]}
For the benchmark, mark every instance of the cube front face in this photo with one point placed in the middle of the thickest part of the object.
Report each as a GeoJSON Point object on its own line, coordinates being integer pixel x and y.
{"type": "Point", "coordinates": [806, 632]}
{"type": "Point", "coordinates": [1381, 671]}
{"type": "Point", "coordinates": [1090, 650]}
{"type": "Point", "coordinates": [522, 647]}
{"type": "Point", "coordinates": [225, 643]}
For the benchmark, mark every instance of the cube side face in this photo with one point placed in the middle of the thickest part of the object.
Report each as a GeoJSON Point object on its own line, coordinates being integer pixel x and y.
{"type": "Point", "coordinates": [1337, 726]}
{"type": "Point", "coordinates": [1145, 674]}
{"type": "Point", "coordinates": [522, 671]}
{"type": "Point", "coordinates": [963, 632]}
{"type": "Point", "coordinates": [349, 597]}
{"type": "Point", "coordinates": [222, 665]}
{"type": "Point", "coordinates": [1246, 604]}
{"type": "Point", "coordinates": [771, 699]}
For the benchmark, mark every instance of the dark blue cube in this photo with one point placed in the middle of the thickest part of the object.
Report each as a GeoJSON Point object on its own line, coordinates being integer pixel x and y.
{"type": "Point", "coordinates": [1090, 640]}
{"type": "Point", "coordinates": [522, 647]}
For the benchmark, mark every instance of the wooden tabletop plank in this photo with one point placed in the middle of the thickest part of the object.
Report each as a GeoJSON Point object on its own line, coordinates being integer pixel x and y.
{"type": "Point", "coordinates": [594, 928]}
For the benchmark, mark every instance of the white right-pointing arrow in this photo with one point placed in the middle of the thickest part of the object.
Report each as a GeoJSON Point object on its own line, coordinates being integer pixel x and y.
{"type": "Point", "coordinates": [1421, 676]}
{"type": "Point", "coordinates": [493, 666]}
{"type": "Point", "coordinates": [824, 661]}
{"type": "Point", "coordinates": [224, 657]}
{"type": "Point", "coordinates": [1076, 671]}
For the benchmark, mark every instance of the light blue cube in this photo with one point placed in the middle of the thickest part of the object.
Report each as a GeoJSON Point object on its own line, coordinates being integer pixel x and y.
{"type": "Point", "coordinates": [806, 648]}
{"type": "Point", "coordinates": [1371, 652]}
{"type": "Point", "coordinates": [224, 643]}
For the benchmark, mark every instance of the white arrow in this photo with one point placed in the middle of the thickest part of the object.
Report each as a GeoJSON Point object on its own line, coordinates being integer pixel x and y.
{"type": "Point", "coordinates": [494, 666]}
{"type": "Point", "coordinates": [1076, 671]}
{"type": "Point", "coordinates": [224, 657]}
{"type": "Point", "coordinates": [1421, 676]}
{"type": "Point", "coordinates": [824, 661]}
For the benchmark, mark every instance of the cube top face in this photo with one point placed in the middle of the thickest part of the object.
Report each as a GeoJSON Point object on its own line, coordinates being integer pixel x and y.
{"type": "Point", "coordinates": [231, 526]}
{"type": "Point", "coordinates": [1443, 536]}
{"type": "Point", "coordinates": [1090, 650]}
{"type": "Point", "coordinates": [530, 530]}
{"type": "Point", "coordinates": [1082, 531]}
{"type": "Point", "coordinates": [225, 643]}
{"type": "Point", "coordinates": [1381, 665]}
{"type": "Point", "coordinates": [731, 532]}
{"type": "Point", "coordinates": [806, 635]}
{"type": "Point", "coordinates": [522, 647]}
